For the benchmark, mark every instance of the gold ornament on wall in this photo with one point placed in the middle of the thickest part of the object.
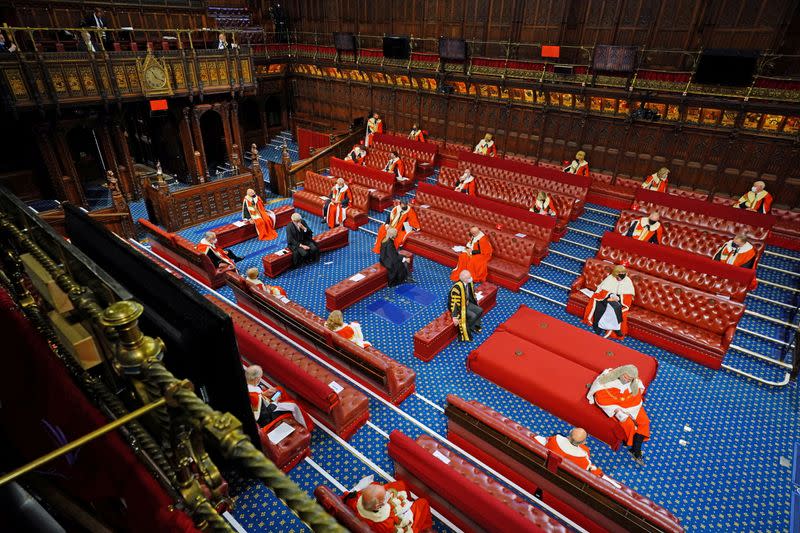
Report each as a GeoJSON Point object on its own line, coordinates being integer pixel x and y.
{"type": "Point", "coordinates": [154, 76]}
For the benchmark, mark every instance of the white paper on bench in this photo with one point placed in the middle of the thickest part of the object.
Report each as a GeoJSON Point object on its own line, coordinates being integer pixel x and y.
{"type": "Point", "coordinates": [280, 252]}
{"type": "Point", "coordinates": [279, 433]}
{"type": "Point", "coordinates": [441, 457]}
{"type": "Point", "coordinates": [611, 481]}
{"type": "Point", "coordinates": [371, 190]}
{"type": "Point", "coordinates": [324, 197]}
{"type": "Point", "coordinates": [284, 299]}
{"type": "Point", "coordinates": [336, 387]}
{"type": "Point", "coordinates": [587, 292]}
{"type": "Point", "coordinates": [458, 249]}
{"type": "Point", "coordinates": [357, 277]}
{"type": "Point", "coordinates": [520, 235]}
{"type": "Point", "coordinates": [478, 296]}
{"type": "Point", "coordinates": [240, 223]}
{"type": "Point", "coordinates": [541, 440]}
{"type": "Point", "coordinates": [425, 206]}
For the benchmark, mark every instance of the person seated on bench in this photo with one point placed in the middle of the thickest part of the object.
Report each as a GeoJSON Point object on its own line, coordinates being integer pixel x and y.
{"type": "Point", "coordinates": [334, 211]}
{"type": "Point", "coordinates": [543, 204]}
{"type": "Point", "coordinates": [579, 165]}
{"type": "Point", "coordinates": [403, 219]}
{"type": "Point", "coordinates": [264, 402]}
{"type": "Point", "coordinates": [608, 307]}
{"type": "Point", "coordinates": [253, 210]}
{"type": "Point", "coordinates": [393, 262]}
{"type": "Point", "coordinates": [253, 281]}
{"type": "Point", "coordinates": [388, 508]}
{"type": "Point", "coordinates": [737, 251]}
{"type": "Point", "coordinates": [464, 308]}
{"type": "Point", "coordinates": [357, 155]}
{"type": "Point", "coordinates": [486, 146]}
{"type": "Point", "coordinates": [647, 229]}
{"type": "Point", "coordinates": [474, 256]}
{"type": "Point", "coordinates": [396, 166]}
{"type": "Point", "coordinates": [573, 448]}
{"type": "Point", "coordinates": [756, 199]}
{"type": "Point", "coordinates": [418, 134]}
{"type": "Point", "coordinates": [299, 241]}
{"type": "Point", "coordinates": [619, 393]}
{"type": "Point", "coordinates": [466, 183]}
{"type": "Point", "coordinates": [208, 246]}
{"type": "Point", "coordinates": [351, 331]}
{"type": "Point", "coordinates": [657, 181]}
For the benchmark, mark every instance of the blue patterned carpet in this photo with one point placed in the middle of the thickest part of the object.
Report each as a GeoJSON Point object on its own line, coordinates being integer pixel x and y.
{"type": "Point", "coordinates": [737, 433]}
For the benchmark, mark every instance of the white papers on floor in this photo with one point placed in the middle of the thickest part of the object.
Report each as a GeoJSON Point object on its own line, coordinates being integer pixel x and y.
{"type": "Point", "coordinates": [587, 292]}
{"type": "Point", "coordinates": [357, 277]}
{"type": "Point", "coordinates": [279, 433]}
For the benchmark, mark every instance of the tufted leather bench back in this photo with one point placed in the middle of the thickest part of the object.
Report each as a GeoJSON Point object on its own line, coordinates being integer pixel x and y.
{"type": "Point", "coordinates": [685, 237]}
{"type": "Point", "coordinates": [453, 228]}
{"type": "Point", "coordinates": [317, 183]}
{"type": "Point", "coordinates": [673, 300]}
{"type": "Point", "coordinates": [404, 152]}
{"type": "Point", "coordinates": [721, 225]}
{"type": "Point", "coordinates": [676, 273]}
{"type": "Point", "coordinates": [378, 158]}
{"type": "Point", "coordinates": [486, 216]}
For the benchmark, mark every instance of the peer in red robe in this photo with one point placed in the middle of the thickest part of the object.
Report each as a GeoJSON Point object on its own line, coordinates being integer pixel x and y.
{"type": "Point", "coordinates": [610, 303]}
{"type": "Point", "coordinates": [351, 331]}
{"type": "Point", "coordinates": [573, 448]}
{"type": "Point", "coordinates": [334, 211]}
{"type": "Point", "coordinates": [374, 125]}
{"type": "Point", "coordinates": [620, 394]}
{"type": "Point", "coordinates": [756, 199]}
{"type": "Point", "coordinates": [579, 165]}
{"type": "Point", "coordinates": [253, 282]}
{"type": "Point", "coordinates": [647, 229]}
{"type": "Point", "coordinates": [657, 181]}
{"type": "Point", "coordinates": [418, 134]}
{"type": "Point", "coordinates": [396, 167]}
{"type": "Point", "coordinates": [357, 155]}
{"type": "Point", "coordinates": [474, 257]}
{"type": "Point", "coordinates": [486, 146]}
{"type": "Point", "coordinates": [253, 210]}
{"type": "Point", "coordinates": [738, 252]}
{"type": "Point", "coordinates": [269, 403]}
{"type": "Point", "coordinates": [218, 256]}
{"type": "Point", "coordinates": [543, 205]}
{"type": "Point", "coordinates": [466, 183]}
{"type": "Point", "coordinates": [402, 218]}
{"type": "Point", "coordinates": [389, 509]}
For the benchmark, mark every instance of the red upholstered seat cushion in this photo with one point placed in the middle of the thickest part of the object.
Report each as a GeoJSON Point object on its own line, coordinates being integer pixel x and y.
{"type": "Point", "coordinates": [471, 492]}
{"type": "Point", "coordinates": [347, 292]}
{"type": "Point", "coordinates": [546, 379]}
{"type": "Point", "coordinates": [292, 449]}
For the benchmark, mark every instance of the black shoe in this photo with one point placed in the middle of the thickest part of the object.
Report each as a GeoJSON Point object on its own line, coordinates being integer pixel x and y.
{"type": "Point", "coordinates": [477, 329]}
{"type": "Point", "coordinates": [637, 458]}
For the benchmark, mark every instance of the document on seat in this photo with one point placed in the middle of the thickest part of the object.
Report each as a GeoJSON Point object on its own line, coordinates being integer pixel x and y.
{"type": "Point", "coordinates": [612, 482]}
{"type": "Point", "coordinates": [240, 223]}
{"type": "Point", "coordinates": [478, 296]}
{"type": "Point", "coordinates": [401, 178]}
{"type": "Point", "coordinates": [324, 197]}
{"type": "Point", "coordinates": [587, 292]}
{"type": "Point", "coordinates": [459, 249]}
{"type": "Point", "coordinates": [280, 252]}
{"type": "Point", "coordinates": [279, 433]}
{"type": "Point", "coordinates": [443, 458]}
{"type": "Point", "coordinates": [335, 387]}
{"type": "Point", "coordinates": [357, 277]}
{"type": "Point", "coordinates": [424, 206]}
{"type": "Point", "coordinates": [520, 235]}
{"type": "Point", "coordinates": [541, 440]}
{"type": "Point", "coordinates": [284, 299]}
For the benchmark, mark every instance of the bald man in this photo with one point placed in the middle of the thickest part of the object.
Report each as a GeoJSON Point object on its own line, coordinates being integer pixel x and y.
{"type": "Point", "coordinates": [300, 242]}
{"type": "Point", "coordinates": [388, 509]}
{"type": "Point", "coordinates": [463, 306]}
{"type": "Point", "coordinates": [756, 199]}
{"type": "Point", "coordinates": [573, 448]}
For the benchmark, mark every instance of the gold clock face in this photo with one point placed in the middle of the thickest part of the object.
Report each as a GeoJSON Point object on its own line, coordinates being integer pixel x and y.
{"type": "Point", "coordinates": [155, 77]}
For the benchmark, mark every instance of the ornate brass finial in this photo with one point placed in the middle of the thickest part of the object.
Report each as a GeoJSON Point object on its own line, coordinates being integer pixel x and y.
{"type": "Point", "coordinates": [134, 347]}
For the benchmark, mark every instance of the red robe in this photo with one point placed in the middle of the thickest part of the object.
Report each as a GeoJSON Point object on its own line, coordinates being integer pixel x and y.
{"type": "Point", "coordinates": [335, 209]}
{"type": "Point", "coordinates": [611, 285]}
{"type": "Point", "coordinates": [417, 135]}
{"type": "Point", "coordinates": [269, 289]}
{"type": "Point", "coordinates": [357, 157]}
{"type": "Point", "coordinates": [744, 256]}
{"type": "Point", "coordinates": [403, 221]}
{"type": "Point", "coordinates": [760, 202]}
{"type": "Point", "coordinates": [253, 209]}
{"type": "Point", "coordinates": [467, 186]}
{"type": "Point", "coordinates": [579, 169]}
{"type": "Point", "coordinates": [543, 207]}
{"type": "Point", "coordinates": [390, 518]}
{"type": "Point", "coordinates": [578, 455]}
{"type": "Point", "coordinates": [616, 397]}
{"type": "Point", "coordinates": [475, 258]}
{"type": "Point", "coordinates": [373, 127]}
{"type": "Point", "coordinates": [642, 230]}
{"type": "Point", "coordinates": [396, 167]}
{"type": "Point", "coordinates": [654, 183]}
{"type": "Point", "coordinates": [485, 147]}
{"type": "Point", "coordinates": [205, 247]}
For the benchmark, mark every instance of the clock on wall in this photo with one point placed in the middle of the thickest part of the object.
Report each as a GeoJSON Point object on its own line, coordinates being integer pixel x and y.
{"type": "Point", "coordinates": [154, 76]}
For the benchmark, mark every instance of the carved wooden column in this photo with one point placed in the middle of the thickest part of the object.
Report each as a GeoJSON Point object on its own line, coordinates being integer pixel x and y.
{"type": "Point", "coordinates": [258, 175]}
{"type": "Point", "coordinates": [237, 130]}
{"type": "Point", "coordinates": [198, 142]}
{"type": "Point", "coordinates": [187, 144]}
{"type": "Point", "coordinates": [120, 205]}
{"type": "Point", "coordinates": [109, 156]}
{"type": "Point", "coordinates": [72, 182]}
{"type": "Point", "coordinates": [127, 172]}
{"type": "Point", "coordinates": [197, 157]}
{"type": "Point", "coordinates": [225, 111]}
{"type": "Point", "coordinates": [51, 162]}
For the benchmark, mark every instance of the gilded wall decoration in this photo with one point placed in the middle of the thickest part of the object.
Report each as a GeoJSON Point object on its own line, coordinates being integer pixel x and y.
{"type": "Point", "coordinates": [14, 79]}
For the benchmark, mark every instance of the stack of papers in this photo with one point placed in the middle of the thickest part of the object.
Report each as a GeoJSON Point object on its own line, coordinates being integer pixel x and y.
{"type": "Point", "coordinates": [357, 277]}
{"type": "Point", "coordinates": [240, 223]}
{"type": "Point", "coordinates": [280, 252]}
{"type": "Point", "coordinates": [279, 433]}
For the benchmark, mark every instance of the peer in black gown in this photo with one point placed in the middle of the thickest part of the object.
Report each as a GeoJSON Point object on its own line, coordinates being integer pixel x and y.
{"type": "Point", "coordinates": [393, 261]}
{"type": "Point", "coordinates": [300, 242]}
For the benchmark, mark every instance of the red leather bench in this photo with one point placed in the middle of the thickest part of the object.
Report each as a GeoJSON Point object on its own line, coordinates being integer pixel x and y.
{"type": "Point", "coordinates": [305, 380]}
{"type": "Point", "coordinates": [348, 292]}
{"type": "Point", "coordinates": [292, 449]}
{"type": "Point", "coordinates": [181, 252]}
{"type": "Point", "coordinates": [685, 321]}
{"type": "Point", "coordinates": [315, 186]}
{"type": "Point", "coordinates": [635, 185]}
{"type": "Point", "coordinates": [482, 211]}
{"type": "Point", "coordinates": [333, 504]}
{"type": "Point", "coordinates": [425, 153]}
{"type": "Point", "coordinates": [785, 232]}
{"type": "Point", "coordinates": [377, 159]}
{"type": "Point", "coordinates": [528, 356]}
{"type": "Point", "coordinates": [514, 194]}
{"type": "Point", "coordinates": [369, 366]}
{"type": "Point", "coordinates": [467, 496]}
{"type": "Point", "coordinates": [511, 258]}
{"type": "Point", "coordinates": [687, 237]}
{"type": "Point", "coordinates": [614, 195]}
{"type": "Point", "coordinates": [439, 333]}
{"type": "Point", "coordinates": [672, 264]}
{"type": "Point", "coordinates": [514, 451]}
{"type": "Point", "coordinates": [380, 184]}
{"type": "Point", "coordinates": [240, 231]}
{"type": "Point", "coordinates": [720, 218]}
{"type": "Point", "coordinates": [281, 261]}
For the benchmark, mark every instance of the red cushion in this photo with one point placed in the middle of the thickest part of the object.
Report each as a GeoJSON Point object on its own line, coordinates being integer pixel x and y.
{"type": "Point", "coordinates": [292, 449]}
